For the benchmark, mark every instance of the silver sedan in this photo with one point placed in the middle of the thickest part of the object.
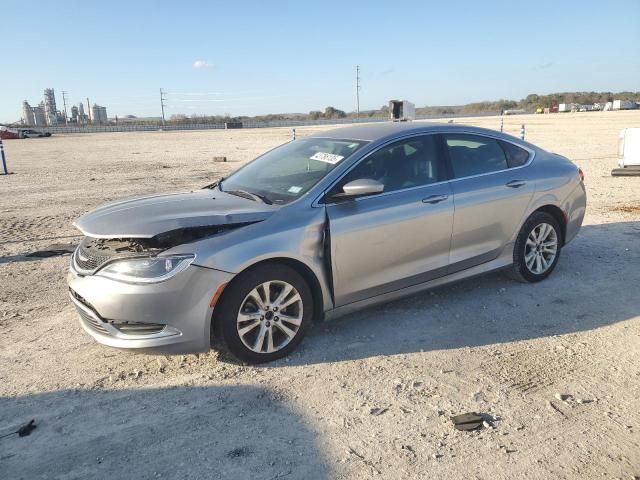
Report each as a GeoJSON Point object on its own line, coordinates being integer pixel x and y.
{"type": "Point", "coordinates": [317, 228]}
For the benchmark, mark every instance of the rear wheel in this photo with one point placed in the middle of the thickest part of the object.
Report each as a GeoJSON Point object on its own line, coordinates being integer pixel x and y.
{"type": "Point", "coordinates": [265, 313]}
{"type": "Point", "coordinates": [537, 248]}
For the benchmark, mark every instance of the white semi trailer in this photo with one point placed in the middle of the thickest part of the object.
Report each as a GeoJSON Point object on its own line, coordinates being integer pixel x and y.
{"type": "Point", "coordinates": [401, 111]}
{"type": "Point", "coordinates": [628, 153]}
{"type": "Point", "coordinates": [623, 105]}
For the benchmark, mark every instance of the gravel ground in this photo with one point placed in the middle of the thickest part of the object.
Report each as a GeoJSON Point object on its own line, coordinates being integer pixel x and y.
{"type": "Point", "coordinates": [553, 367]}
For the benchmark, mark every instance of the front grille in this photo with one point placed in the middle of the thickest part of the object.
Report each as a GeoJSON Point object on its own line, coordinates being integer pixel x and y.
{"type": "Point", "coordinates": [92, 253]}
{"type": "Point", "coordinates": [136, 328]}
{"type": "Point", "coordinates": [88, 260]}
{"type": "Point", "coordinates": [92, 322]}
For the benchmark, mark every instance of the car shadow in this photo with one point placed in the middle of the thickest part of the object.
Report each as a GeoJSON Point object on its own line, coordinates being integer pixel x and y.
{"type": "Point", "coordinates": [175, 432]}
{"type": "Point", "coordinates": [27, 258]}
{"type": "Point", "coordinates": [17, 258]}
{"type": "Point", "coordinates": [594, 285]}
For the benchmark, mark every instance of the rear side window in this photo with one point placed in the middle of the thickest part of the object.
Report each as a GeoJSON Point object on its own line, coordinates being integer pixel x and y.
{"type": "Point", "coordinates": [516, 156]}
{"type": "Point", "coordinates": [473, 155]}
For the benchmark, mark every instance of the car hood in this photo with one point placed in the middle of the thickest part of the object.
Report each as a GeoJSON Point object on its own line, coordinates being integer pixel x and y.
{"type": "Point", "coordinates": [145, 217]}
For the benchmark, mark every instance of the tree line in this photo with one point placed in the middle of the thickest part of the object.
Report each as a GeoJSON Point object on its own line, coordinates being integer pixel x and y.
{"type": "Point", "coordinates": [530, 103]}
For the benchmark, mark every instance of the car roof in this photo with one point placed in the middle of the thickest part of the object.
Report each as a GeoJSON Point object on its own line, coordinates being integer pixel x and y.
{"type": "Point", "coordinates": [385, 130]}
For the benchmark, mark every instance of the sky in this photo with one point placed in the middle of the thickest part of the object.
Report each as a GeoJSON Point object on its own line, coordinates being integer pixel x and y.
{"type": "Point", "coordinates": [256, 57]}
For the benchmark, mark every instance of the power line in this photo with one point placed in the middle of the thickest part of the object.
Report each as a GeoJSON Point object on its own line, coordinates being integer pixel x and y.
{"type": "Point", "coordinates": [163, 97]}
{"type": "Point", "coordinates": [196, 94]}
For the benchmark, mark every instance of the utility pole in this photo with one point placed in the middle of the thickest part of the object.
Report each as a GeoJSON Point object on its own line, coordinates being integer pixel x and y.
{"type": "Point", "coordinates": [64, 102]}
{"type": "Point", "coordinates": [88, 110]}
{"type": "Point", "coordinates": [357, 91]}
{"type": "Point", "coordinates": [163, 97]}
{"type": "Point", "coordinates": [4, 160]}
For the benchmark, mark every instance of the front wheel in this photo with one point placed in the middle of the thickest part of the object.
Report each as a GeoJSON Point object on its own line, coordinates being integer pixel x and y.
{"type": "Point", "coordinates": [537, 248]}
{"type": "Point", "coordinates": [265, 313]}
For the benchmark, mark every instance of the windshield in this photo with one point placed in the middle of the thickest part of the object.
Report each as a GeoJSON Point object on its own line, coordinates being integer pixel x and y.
{"type": "Point", "coordinates": [289, 171]}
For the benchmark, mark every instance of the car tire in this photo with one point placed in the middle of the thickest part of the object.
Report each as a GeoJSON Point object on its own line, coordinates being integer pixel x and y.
{"type": "Point", "coordinates": [532, 260]}
{"type": "Point", "coordinates": [240, 321]}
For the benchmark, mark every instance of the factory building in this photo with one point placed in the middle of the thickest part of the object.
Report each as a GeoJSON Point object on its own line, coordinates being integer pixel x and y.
{"type": "Point", "coordinates": [28, 117]}
{"type": "Point", "coordinates": [39, 115]}
{"type": "Point", "coordinates": [78, 116]}
{"type": "Point", "coordinates": [50, 110]}
{"type": "Point", "coordinates": [47, 113]}
{"type": "Point", "coordinates": [99, 114]}
{"type": "Point", "coordinates": [34, 116]}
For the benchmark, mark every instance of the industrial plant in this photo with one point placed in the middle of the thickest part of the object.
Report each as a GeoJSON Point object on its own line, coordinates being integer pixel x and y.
{"type": "Point", "coordinates": [46, 113]}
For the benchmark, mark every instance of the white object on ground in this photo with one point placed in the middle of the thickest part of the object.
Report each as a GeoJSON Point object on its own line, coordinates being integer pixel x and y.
{"type": "Point", "coordinates": [629, 147]}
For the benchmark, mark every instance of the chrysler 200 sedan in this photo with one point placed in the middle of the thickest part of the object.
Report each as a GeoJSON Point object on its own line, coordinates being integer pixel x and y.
{"type": "Point", "coordinates": [319, 227]}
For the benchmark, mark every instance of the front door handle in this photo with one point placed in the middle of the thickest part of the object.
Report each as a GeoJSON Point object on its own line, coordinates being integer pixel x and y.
{"type": "Point", "coordinates": [435, 199]}
{"type": "Point", "coordinates": [516, 184]}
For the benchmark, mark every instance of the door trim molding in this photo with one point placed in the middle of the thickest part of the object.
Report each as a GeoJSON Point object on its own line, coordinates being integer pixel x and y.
{"type": "Point", "coordinates": [413, 280]}
{"type": "Point", "coordinates": [503, 260]}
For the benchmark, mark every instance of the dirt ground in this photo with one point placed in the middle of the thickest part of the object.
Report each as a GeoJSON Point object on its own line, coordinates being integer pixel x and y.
{"type": "Point", "coordinates": [553, 366]}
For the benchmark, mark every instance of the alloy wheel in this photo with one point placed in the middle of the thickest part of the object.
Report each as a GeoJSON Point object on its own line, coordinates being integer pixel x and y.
{"type": "Point", "coordinates": [270, 316]}
{"type": "Point", "coordinates": [541, 248]}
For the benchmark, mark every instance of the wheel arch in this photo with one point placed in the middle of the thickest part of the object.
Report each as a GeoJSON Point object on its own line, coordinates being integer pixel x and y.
{"type": "Point", "coordinates": [557, 213]}
{"type": "Point", "coordinates": [302, 269]}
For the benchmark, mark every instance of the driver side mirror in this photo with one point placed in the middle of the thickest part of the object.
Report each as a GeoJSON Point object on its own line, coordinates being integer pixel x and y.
{"type": "Point", "coordinates": [360, 188]}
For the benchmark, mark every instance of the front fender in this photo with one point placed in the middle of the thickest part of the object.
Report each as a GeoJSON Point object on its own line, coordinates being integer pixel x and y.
{"type": "Point", "coordinates": [292, 234]}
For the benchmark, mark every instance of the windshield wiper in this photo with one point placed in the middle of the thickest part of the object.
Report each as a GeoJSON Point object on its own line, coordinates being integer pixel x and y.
{"type": "Point", "coordinates": [249, 195]}
{"type": "Point", "coordinates": [264, 198]}
{"type": "Point", "coordinates": [215, 184]}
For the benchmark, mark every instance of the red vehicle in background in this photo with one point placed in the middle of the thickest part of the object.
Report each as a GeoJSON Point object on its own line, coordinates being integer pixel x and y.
{"type": "Point", "coordinates": [9, 133]}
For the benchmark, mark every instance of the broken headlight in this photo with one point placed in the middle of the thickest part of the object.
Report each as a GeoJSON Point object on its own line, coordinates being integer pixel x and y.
{"type": "Point", "coordinates": [146, 269]}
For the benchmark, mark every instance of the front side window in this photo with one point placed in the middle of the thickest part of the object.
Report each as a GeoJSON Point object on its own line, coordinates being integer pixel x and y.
{"type": "Point", "coordinates": [404, 164]}
{"type": "Point", "coordinates": [289, 171]}
{"type": "Point", "coordinates": [474, 154]}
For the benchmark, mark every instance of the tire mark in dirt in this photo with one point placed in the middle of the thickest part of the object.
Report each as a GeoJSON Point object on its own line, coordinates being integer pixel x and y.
{"type": "Point", "coordinates": [20, 229]}
{"type": "Point", "coordinates": [532, 369]}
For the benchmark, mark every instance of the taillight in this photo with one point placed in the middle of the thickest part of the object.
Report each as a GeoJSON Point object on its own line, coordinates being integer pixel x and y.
{"type": "Point", "coordinates": [581, 174]}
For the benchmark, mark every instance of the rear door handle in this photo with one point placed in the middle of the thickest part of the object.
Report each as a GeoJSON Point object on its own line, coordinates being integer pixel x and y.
{"type": "Point", "coordinates": [516, 183]}
{"type": "Point", "coordinates": [435, 199]}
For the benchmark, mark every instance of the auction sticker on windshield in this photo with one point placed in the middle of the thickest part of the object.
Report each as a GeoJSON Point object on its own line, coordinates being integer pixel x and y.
{"type": "Point", "coordinates": [327, 157]}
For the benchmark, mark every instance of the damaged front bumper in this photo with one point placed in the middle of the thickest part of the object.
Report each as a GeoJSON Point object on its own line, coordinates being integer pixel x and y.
{"type": "Point", "coordinates": [172, 316]}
